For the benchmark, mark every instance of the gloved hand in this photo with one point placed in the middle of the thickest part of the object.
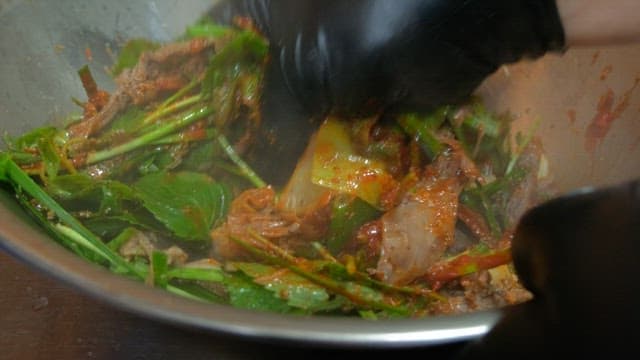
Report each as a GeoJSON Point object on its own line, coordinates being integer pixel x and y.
{"type": "Point", "coordinates": [579, 255]}
{"type": "Point", "coordinates": [359, 57]}
{"type": "Point", "coordinates": [354, 56]}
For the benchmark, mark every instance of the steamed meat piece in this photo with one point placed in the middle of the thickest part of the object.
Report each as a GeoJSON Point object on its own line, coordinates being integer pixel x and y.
{"type": "Point", "coordinates": [419, 230]}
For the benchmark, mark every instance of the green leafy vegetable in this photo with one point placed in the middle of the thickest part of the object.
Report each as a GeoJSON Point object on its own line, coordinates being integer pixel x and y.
{"type": "Point", "coordinates": [189, 204]}
{"type": "Point", "coordinates": [348, 214]}
{"type": "Point", "coordinates": [244, 293]}
{"type": "Point", "coordinates": [159, 268]}
{"type": "Point", "coordinates": [298, 291]}
{"type": "Point", "coordinates": [206, 28]}
{"type": "Point", "coordinates": [424, 129]}
{"type": "Point", "coordinates": [71, 228]}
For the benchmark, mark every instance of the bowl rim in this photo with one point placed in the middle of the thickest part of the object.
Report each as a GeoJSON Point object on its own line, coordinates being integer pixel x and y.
{"type": "Point", "coordinates": [34, 247]}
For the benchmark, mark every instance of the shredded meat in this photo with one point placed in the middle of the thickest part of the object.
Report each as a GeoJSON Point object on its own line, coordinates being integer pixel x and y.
{"type": "Point", "coordinates": [491, 289]}
{"type": "Point", "coordinates": [169, 68]}
{"type": "Point", "coordinates": [484, 290]}
{"type": "Point", "coordinates": [254, 211]}
{"type": "Point", "coordinates": [143, 244]}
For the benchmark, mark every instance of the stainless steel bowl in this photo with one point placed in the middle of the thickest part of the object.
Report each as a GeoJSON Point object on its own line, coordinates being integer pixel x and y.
{"type": "Point", "coordinates": [43, 43]}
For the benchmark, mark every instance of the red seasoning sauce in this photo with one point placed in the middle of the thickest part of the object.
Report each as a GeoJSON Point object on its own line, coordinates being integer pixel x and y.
{"type": "Point", "coordinates": [604, 74]}
{"type": "Point", "coordinates": [607, 113]}
{"type": "Point", "coordinates": [571, 113]}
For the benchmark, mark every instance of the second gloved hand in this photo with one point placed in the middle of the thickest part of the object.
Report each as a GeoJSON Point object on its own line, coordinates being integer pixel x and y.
{"type": "Point", "coordinates": [578, 255]}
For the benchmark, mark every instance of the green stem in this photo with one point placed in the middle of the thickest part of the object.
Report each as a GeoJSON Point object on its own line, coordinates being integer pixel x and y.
{"type": "Point", "coordinates": [24, 158]}
{"type": "Point", "coordinates": [367, 280]}
{"type": "Point", "coordinates": [423, 134]}
{"type": "Point", "coordinates": [182, 293]}
{"type": "Point", "coordinates": [180, 93]}
{"type": "Point", "coordinates": [10, 171]}
{"type": "Point", "coordinates": [183, 273]}
{"type": "Point", "coordinates": [246, 171]}
{"type": "Point", "coordinates": [230, 168]}
{"type": "Point", "coordinates": [520, 148]}
{"type": "Point", "coordinates": [324, 252]}
{"type": "Point", "coordinates": [184, 138]}
{"type": "Point", "coordinates": [490, 215]}
{"type": "Point", "coordinates": [328, 283]}
{"type": "Point", "coordinates": [170, 109]}
{"type": "Point", "coordinates": [80, 240]}
{"type": "Point", "coordinates": [271, 246]}
{"type": "Point", "coordinates": [149, 137]}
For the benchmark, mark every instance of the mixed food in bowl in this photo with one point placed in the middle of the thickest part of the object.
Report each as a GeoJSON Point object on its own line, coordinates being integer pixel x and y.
{"type": "Point", "coordinates": [391, 216]}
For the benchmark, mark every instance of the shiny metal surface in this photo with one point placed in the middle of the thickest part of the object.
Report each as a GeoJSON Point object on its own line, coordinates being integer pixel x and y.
{"type": "Point", "coordinates": [43, 43]}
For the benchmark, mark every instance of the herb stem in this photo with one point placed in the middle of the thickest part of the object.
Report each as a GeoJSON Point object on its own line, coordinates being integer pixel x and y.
{"type": "Point", "coordinates": [180, 93]}
{"type": "Point", "coordinates": [79, 239]}
{"type": "Point", "coordinates": [367, 280]}
{"type": "Point", "coordinates": [328, 283]}
{"type": "Point", "coordinates": [520, 148]}
{"type": "Point", "coordinates": [10, 171]}
{"type": "Point", "coordinates": [271, 246]}
{"type": "Point", "coordinates": [149, 137]}
{"type": "Point", "coordinates": [171, 108]}
{"type": "Point", "coordinates": [246, 171]}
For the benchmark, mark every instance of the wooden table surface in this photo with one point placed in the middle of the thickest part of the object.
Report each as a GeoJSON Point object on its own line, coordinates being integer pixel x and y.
{"type": "Point", "coordinates": [42, 318]}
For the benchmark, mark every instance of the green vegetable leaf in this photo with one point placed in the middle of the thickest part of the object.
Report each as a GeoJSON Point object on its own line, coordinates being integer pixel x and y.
{"type": "Point", "coordinates": [127, 122]}
{"type": "Point", "coordinates": [348, 214]}
{"type": "Point", "coordinates": [296, 290]}
{"type": "Point", "coordinates": [50, 157]}
{"type": "Point", "coordinates": [82, 187]}
{"type": "Point", "coordinates": [207, 28]}
{"type": "Point", "coordinates": [126, 235]}
{"type": "Point", "coordinates": [5, 160]}
{"type": "Point", "coordinates": [244, 293]}
{"type": "Point", "coordinates": [423, 128]}
{"type": "Point", "coordinates": [130, 54]}
{"type": "Point", "coordinates": [202, 157]}
{"type": "Point", "coordinates": [159, 267]}
{"type": "Point", "coordinates": [188, 204]}
{"type": "Point", "coordinates": [187, 273]}
{"type": "Point", "coordinates": [247, 48]}
{"type": "Point", "coordinates": [31, 139]}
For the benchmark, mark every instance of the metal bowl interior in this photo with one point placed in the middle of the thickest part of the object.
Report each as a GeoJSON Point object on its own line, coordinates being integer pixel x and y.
{"type": "Point", "coordinates": [43, 43]}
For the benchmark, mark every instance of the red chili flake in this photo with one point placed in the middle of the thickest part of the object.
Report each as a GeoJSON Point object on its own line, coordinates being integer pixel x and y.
{"type": "Point", "coordinates": [88, 54]}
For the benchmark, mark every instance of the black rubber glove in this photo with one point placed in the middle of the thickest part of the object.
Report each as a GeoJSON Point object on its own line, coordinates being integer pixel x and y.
{"type": "Point", "coordinates": [359, 57]}
{"type": "Point", "coordinates": [580, 256]}
{"type": "Point", "coordinates": [352, 56]}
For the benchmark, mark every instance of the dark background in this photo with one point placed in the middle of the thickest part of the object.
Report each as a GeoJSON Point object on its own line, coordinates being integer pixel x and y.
{"type": "Point", "coordinates": [42, 318]}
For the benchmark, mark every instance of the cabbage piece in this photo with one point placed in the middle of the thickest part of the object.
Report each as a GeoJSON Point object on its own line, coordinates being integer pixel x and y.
{"type": "Point", "coordinates": [337, 166]}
